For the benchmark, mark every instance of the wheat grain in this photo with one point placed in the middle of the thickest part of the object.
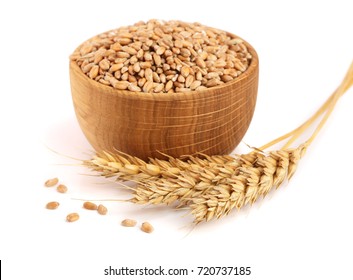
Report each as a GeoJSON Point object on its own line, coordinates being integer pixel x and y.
{"type": "Point", "coordinates": [90, 205]}
{"type": "Point", "coordinates": [128, 223]}
{"type": "Point", "coordinates": [147, 227]}
{"type": "Point", "coordinates": [52, 205]}
{"type": "Point", "coordinates": [51, 182]}
{"type": "Point", "coordinates": [72, 217]}
{"type": "Point", "coordinates": [61, 188]}
{"type": "Point", "coordinates": [102, 210]}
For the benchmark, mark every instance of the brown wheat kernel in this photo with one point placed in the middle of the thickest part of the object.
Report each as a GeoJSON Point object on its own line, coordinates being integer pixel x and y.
{"type": "Point", "coordinates": [163, 78]}
{"type": "Point", "coordinates": [102, 210]}
{"type": "Point", "coordinates": [104, 82]}
{"type": "Point", "coordinates": [145, 65]}
{"type": "Point", "coordinates": [128, 223]}
{"type": "Point", "coordinates": [122, 55]}
{"type": "Point", "coordinates": [147, 86]}
{"type": "Point", "coordinates": [226, 78]}
{"type": "Point", "coordinates": [104, 64]}
{"type": "Point", "coordinates": [213, 82]}
{"type": "Point", "coordinates": [116, 67]}
{"type": "Point", "coordinates": [240, 66]}
{"type": "Point", "coordinates": [51, 182]}
{"type": "Point", "coordinates": [94, 71]}
{"type": "Point", "coordinates": [87, 48]}
{"type": "Point", "coordinates": [133, 87]}
{"type": "Point", "coordinates": [124, 69]}
{"type": "Point", "coordinates": [125, 76]}
{"type": "Point", "coordinates": [140, 54]}
{"type": "Point", "coordinates": [72, 217]}
{"type": "Point", "coordinates": [124, 41]}
{"type": "Point", "coordinates": [195, 84]}
{"type": "Point", "coordinates": [189, 80]}
{"type": "Point", "coordinates": [86, 68]}
{"type": "Point", "coordinates": [157, 59]}
{"type": "Point", "coordinates": [147, 56]}
{"type": "Point", "coordinates": [61, 188]}
{"type": "Point", "coordinates": [132, 79]}
{"type": "Point", "coordinates": [52, 205]}
{"type": "Point", "coordinates": [129, 50]}
{"type": "Point", "coordinates": [185, 71]}
{"type": "Point", "coordinates": [136, 67]}
{"type": "Point", "coordinates": [156, 77]}
{"type": "Point", "coordinates": [120, 84]}
{"type": "Point", "coordinates": [160, 50]}
{"type": "Point", "coordinates": [90, 205]}
{"type": "Point", "coordinates": [158, 88]}
{"type": "Point", "coordinates": [147, 227]}
{"type": "Point", "coordinates": [149, 74]}
{"type": "Point", "coordinates": [141, 82]}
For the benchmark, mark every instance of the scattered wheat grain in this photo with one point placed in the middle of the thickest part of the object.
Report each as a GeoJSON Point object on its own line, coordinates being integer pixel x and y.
{"type": "Point", "coordinates": [102, 210]}
{"type": "Point", "coordinates": [52, 205]}
{"type": "Point", "coordinates": [90, 205]}
{"type": "Point", "coordinates": [128, 223]}
{"type": "Point", "coordinates": [147, 227]}
{"type": "Point", "coordinates": [61, 188]}
{"type": "Point", "coordinates": [51, 182]}
{"type": "Point", "coordinates": [72, 217]}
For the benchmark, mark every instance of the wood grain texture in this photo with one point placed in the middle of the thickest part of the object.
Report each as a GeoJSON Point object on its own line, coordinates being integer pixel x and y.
{"type": "Point", "coordinates": [211, 121]}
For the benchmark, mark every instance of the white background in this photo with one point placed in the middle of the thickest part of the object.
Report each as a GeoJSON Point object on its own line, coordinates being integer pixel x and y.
{"type": "Point", "coordinates": [301, 231]}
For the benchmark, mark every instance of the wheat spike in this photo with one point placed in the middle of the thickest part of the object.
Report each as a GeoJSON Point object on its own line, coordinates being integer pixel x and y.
{"type": "Point", "coordinates": [252, 182]}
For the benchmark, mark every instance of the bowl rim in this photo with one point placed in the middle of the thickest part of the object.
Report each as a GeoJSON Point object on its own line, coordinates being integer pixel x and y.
{"type": "Point", "coordinates": [252, 69]}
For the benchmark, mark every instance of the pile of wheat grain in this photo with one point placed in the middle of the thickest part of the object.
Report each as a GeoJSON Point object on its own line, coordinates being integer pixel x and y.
{"type": "Point", "coordinates": [163, 56]}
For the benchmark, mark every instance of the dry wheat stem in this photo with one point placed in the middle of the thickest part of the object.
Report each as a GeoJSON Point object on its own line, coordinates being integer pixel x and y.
{"type": "Point", "coordinates": [326, 109]}
{"type": "Point", "coordinates": [212, 186]}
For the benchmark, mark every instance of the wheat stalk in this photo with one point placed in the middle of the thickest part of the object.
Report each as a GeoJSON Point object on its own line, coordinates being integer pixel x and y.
{"type": "Point", "coordinates": [212, 186]}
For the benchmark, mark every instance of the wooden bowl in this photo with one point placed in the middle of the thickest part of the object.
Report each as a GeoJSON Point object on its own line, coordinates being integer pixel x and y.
{"type": "Point", "coordinates": [211, 121]}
